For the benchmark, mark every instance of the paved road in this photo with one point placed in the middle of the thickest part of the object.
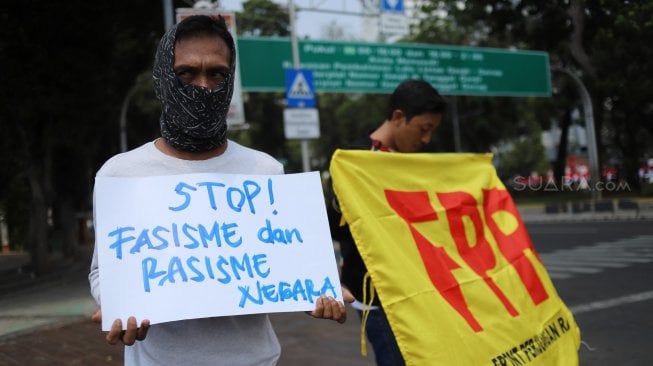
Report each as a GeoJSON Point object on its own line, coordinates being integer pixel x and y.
{"type": "Point", "coordinates": [603, 271]}
{"type": "Point", "coordinates": [48, 323]}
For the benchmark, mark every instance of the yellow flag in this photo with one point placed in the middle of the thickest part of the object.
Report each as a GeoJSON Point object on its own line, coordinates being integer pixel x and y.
{"type": "Point", "coordinates": [451, 261]}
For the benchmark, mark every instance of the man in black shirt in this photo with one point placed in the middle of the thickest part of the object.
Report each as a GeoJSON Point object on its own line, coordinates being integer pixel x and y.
{"type": "Point", "coordinates": [414, 112]}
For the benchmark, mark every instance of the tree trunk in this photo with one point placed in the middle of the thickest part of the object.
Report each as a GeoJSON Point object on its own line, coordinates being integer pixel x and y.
{"type": "Point", "coordinates": [37, 239]}
{"type": "Point", "coordinates": [68, 228]}
{"type": "Point", "coordinates": [577, 14]}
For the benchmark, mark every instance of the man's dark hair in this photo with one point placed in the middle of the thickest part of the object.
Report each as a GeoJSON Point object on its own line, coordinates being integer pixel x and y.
{"type": "Point", "coordinates": [204, 25]}
{"type": "Point", "coordinates": [415, 97]}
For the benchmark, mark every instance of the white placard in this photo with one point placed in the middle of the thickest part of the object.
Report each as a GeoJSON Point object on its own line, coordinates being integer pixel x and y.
{"type": "Point", "coordinates": [203, 245]}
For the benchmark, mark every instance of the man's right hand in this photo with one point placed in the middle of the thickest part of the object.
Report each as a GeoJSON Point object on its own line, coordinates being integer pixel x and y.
{"type": "Point", "coordinates": [128, 336]}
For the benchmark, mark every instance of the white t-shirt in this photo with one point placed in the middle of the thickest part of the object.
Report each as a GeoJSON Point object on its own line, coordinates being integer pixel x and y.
{"type": "Point", "coordinates": [231, 340]}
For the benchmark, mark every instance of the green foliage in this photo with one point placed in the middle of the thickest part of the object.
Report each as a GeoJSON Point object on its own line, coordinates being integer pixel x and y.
{"type": "Point", "coordinates": [483, 121]}
{"type": "Point", "coordinates": [263, 18]}
{"type": "Point", "coordinates": [143, 111]}
{"type": "Point", "coordinates": [67, 67]}
{"type": "Point", "coordinates": [602, 42]}
{"type": "Point", "coordinates": [625, 82]}
{"type": "Point", "coordinates": [343, 118]}
{"type": "Point", "coordinates": [527, 154]}
{"type": "Point", "coordinates": [525, 157]}
{"type": "Point", "coordinates": [264, 113]}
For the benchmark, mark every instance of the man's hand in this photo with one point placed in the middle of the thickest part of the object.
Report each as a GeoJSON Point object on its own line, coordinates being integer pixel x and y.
{"type": "Point", "coordinates": [128, 336]}
{"type": "Point", "coordinates": [326, 307]}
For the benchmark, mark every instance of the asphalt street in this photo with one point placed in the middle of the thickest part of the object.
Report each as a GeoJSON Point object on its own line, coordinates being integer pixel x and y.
{"type": "Point", "coordinates": [603, 272]}
{"type": "Point", "coordinates": [601, 269]}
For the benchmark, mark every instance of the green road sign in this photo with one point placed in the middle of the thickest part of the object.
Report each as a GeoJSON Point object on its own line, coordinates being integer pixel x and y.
{"type": "Point", "coordinates": [378, 68]}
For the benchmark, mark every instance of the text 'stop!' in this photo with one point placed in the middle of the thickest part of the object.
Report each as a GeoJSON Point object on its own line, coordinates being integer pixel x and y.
{"type": "Point", "coordinates": [204, 245]}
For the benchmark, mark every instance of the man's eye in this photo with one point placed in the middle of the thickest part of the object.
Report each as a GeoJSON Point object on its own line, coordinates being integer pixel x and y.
{"type": "Point", "coordinates": [184, 75]}
{"type": "Point", "coordinates": [219, 75]}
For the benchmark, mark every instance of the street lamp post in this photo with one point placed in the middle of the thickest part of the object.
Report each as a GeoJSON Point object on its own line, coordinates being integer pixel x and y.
{"type": "Point", "coordinates": [588, 113]}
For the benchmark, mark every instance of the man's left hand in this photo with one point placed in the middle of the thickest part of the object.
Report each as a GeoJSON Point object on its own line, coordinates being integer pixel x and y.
{"type": "Point", "coordinates": [326, 307]}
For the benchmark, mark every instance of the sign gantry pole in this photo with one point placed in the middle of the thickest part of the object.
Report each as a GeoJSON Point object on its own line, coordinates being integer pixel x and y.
{"type": "Point", "coordinates": [167, 14]}
{"type": "Point", "coordinates": [295, 60]}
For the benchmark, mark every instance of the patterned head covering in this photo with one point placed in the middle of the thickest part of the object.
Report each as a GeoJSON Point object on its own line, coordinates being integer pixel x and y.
{"type": "Point", "coordinates": [193, 118]}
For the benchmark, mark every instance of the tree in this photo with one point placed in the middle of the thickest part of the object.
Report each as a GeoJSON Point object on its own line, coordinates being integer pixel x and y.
{"type": "Point", "coordinates": [343, 118]}
{"type": "Point", "coordinates": [68, 67]}
{"type": "Point", "coordinates": [618, 38]}
{"type": "Point", "coordinates": [263, 18]}
{"type": "Point", "coordinates": [527, 154]}
{"type": "Point", "coordinates": [484, 121]}
{"type": "Point", "coordinates": [598, 40]}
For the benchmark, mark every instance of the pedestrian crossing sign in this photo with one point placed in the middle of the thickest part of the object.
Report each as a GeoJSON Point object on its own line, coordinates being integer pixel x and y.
{"type": "Point", "coordinates": [300, 92]}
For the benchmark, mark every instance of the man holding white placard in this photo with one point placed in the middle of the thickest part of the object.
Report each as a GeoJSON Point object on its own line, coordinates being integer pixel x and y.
{"type": "Point", "coordinates": [193, 76]}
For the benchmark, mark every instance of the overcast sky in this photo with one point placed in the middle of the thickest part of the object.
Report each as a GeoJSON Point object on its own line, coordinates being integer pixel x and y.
{"type": "Point", "coordinates": [312, 23]}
